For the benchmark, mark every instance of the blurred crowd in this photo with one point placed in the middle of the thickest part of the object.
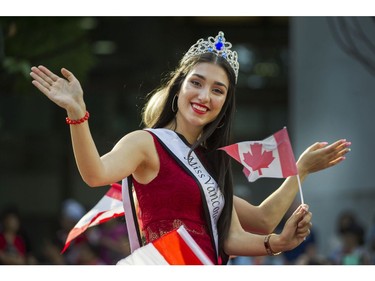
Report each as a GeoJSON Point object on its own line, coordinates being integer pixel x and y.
{"type": "Point", "coordinates": [353, 244]}
{"type": "Point", "coordinates": [105, 244]}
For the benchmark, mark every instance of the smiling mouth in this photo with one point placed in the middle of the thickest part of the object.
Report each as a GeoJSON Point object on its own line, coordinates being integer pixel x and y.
{"type": "Point", "coordinates": [199, 108]}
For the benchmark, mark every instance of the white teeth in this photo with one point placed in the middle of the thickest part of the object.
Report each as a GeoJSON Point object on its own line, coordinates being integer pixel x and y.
{"type": "Point", "coordinates": [201, 108]}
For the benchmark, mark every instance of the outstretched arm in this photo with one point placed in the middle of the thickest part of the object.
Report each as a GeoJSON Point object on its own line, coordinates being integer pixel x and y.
{"type": "Point", "coordinates": [265, 217]}
{"type": "Point", "coordinates": [129, 153]}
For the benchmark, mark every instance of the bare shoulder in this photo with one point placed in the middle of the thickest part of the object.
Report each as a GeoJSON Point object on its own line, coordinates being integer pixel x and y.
{"type": "Point", "coordinates": [139, 139]}
{"type": "Point", "coordinates": [140, 148]}
{"type": "Point", "coordinates": [139, 135]}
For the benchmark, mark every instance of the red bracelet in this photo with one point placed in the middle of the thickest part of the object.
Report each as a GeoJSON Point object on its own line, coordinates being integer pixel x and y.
{"type": "Point", "coordinates": [79, 121]}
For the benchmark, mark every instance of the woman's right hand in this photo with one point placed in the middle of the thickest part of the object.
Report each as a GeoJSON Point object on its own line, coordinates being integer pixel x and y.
{"type": "Point", "coordinates": [292, 236]}
{"type": "Point", "coordinates": [66, 92]}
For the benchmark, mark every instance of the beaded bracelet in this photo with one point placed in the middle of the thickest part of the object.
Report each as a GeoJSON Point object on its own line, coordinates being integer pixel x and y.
{"type": "Point", "coordinates": [79, 121]}
{"type": "Point", "coordinates": [268, 246]}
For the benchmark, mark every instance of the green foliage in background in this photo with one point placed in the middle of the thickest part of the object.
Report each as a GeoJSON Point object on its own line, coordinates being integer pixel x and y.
{"type": "Point", "coordinates": [51, 41]}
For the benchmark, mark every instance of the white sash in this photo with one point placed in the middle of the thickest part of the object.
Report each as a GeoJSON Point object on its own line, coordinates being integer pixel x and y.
{"type": "Point", "coordinates": [209, 187]}
{"type": "Point", "coordinates": [131, 219]}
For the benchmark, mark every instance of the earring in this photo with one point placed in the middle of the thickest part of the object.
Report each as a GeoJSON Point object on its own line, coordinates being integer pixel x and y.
{"type": "Point", "coordinates": [174, 109]}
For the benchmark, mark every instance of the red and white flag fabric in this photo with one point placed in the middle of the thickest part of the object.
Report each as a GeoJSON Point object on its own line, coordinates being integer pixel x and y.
{"type": "Point", "coordinates": [272, 157]}
{"type": "Point", "coordinates": [174, 248]}
{"type": "Point", "coordinates": [110, 206]}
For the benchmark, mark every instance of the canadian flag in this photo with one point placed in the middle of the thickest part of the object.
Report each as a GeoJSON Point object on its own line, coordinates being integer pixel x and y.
{"type": "Point", "coordinates": [272, 157]}
{"type": "Point", "coordinates": [110, 206]}
{"type": "Point", "coordinates": [174, 248]}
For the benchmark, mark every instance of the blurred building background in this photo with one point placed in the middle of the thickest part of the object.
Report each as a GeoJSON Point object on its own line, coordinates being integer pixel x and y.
{"type": "Point", "coordinates": [314, 75]}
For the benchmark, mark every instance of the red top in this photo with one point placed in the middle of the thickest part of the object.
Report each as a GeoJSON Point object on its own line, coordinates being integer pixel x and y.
{"type": "Point", "coordinates": [18, 245]}
{"type": "Point", "coordinates": [170, 200]}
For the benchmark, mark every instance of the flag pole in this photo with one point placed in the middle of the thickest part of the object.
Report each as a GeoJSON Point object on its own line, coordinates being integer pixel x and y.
{"type": "Point", "coordinates": [300, 189]}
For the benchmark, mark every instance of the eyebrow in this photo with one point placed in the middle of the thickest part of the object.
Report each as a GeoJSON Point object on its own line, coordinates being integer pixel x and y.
{"type": "Point", "coordinates": [216, 82]}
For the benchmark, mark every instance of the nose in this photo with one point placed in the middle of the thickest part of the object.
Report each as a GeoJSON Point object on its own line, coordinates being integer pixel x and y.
{"type": "Point", "coordinates": [204, 95]}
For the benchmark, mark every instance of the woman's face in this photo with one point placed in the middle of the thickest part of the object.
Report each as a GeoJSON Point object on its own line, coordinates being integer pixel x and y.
{"type": "Point", "coordinates": [202, 95]}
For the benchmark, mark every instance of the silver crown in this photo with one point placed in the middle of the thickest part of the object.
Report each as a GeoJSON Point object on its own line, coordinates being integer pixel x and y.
{"type": "Point", "coordinates": [218, 46]}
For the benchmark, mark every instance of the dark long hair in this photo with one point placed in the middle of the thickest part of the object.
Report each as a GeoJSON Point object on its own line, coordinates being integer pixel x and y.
{"type": "Point", "coordinates": [158, 113]}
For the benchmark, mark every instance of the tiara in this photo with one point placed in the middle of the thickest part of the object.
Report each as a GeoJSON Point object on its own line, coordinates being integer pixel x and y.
{"type": "Point", "coordinates": [218, 46]}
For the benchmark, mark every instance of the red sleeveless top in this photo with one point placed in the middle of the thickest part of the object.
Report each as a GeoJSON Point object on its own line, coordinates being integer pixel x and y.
{"type": "Point", "coordinates": [170, 200]}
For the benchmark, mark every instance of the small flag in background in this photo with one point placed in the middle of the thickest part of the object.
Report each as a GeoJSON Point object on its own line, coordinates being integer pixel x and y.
{"type": "Point", "coordinates": [110, 206]}
{"type": "Point", "coordinates": [272, 157]}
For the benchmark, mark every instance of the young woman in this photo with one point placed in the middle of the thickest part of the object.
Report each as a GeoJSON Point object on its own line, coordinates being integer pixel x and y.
{"type": "Point", "coordinates": [179, 175]}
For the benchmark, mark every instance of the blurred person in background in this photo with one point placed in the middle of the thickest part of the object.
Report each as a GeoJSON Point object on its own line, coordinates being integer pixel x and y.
{"type": "Point", "coordinates": [71, 213]}
{"type": "Point", "coordinates": [351, 249]}
{"type": "Point", "coordinates": [112, 241]}
{"type": "Point", "coordinates": [15, 247]}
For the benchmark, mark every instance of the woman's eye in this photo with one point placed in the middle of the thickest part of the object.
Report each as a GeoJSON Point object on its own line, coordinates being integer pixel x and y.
{"type": "Point", "coordinates": [195, 83]}
{"type": "Point", "coordinates": [219, 91]}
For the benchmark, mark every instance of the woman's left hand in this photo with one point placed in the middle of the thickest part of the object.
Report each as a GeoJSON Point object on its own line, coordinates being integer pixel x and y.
{"type": "Point", "coordinates": [320, 156]}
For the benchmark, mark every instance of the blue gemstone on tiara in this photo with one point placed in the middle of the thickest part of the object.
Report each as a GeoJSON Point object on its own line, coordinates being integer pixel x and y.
{"type": "Point", "coordinates": [218, 46]}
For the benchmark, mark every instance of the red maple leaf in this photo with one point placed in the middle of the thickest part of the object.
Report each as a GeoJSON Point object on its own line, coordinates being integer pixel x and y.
{"type": "Point", "coordinates": [256, 159]}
